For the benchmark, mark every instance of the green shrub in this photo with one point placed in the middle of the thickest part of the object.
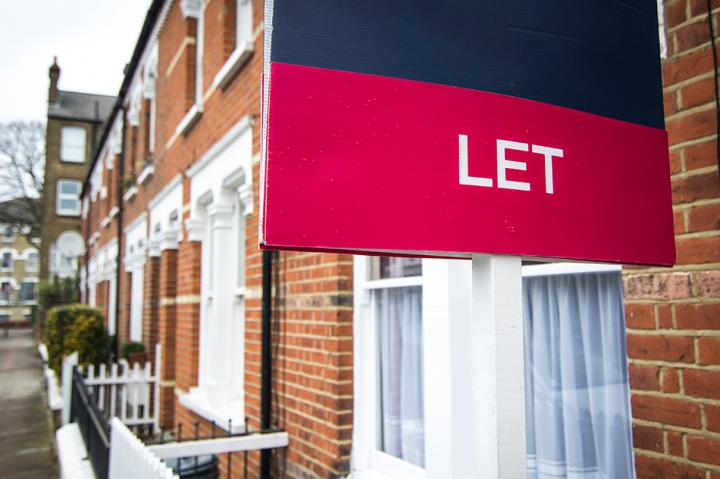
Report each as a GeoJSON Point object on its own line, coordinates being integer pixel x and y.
{"type": "Point", "coordinates": [131, 348]}
{"type": "Point", "coordinates": [76, 328]}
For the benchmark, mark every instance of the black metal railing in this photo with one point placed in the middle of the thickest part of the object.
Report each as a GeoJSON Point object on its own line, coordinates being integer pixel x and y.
{"type": "Point", "coordinates": [94, 426]}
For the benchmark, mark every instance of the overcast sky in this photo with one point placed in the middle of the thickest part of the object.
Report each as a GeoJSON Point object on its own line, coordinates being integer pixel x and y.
{"type": "Point", "coordinates": [93, 40]}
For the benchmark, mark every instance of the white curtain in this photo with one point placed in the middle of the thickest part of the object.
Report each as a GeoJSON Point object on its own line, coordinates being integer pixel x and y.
{"type": "Point", "coordinates": [578, 412]}
{"type": "Point", "coordinates": [401, 373]}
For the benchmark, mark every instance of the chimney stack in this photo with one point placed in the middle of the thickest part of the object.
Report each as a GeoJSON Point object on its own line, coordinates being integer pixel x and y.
{"type": "Point", "coordinates": [54, 74]}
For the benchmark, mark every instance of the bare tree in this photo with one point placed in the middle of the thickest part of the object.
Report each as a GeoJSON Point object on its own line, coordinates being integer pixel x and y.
{"type": "Point", "coordinates": [22, 159]}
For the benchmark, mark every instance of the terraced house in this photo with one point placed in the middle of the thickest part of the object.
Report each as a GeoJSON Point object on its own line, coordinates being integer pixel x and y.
{"type": "Point", "coordinates": [370, 354]}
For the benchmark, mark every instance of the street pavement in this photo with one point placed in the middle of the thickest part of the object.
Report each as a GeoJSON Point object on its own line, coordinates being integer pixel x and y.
{"type": "Point", "coordinates": [26, 437]}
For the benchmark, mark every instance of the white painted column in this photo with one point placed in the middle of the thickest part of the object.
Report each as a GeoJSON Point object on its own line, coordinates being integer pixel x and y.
{"type": "Point", "coordinates": [223, 287]}
{"type": "Point", "coordinates": [498, 367]}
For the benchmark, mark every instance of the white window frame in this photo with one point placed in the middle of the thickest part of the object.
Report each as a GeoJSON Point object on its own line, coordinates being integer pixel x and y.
{"type": "Point", "coordinates": [13, 285]}
{"type": "Point", "coordinates": [65, 130]}
{"type": "Point", "coordinates": [194, 9]}
{"type": "Point", "coordinates": [446, 310]}
{"type": "Point", "coordinates": [60, 196]}
{"type": "Point", "coordinates": [438, 282]}
{"type": "Point", "coordinates": [244, 45]}
{"type": "Point", "coordinates": [28, 267]}
{"type": "Point", "coordinates": [37, 292]}
{"type": "Point", "coordinates": [135, 256]}
{"type": "Point", "coordinates": [13, 257]}
{"type": "Point", "coordinates": [8, 238]}
{"type": "Point", "coordinates": [220, 203]}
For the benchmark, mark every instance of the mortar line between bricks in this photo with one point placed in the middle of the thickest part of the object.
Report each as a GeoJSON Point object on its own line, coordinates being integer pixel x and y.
{"type": "Point", "coordinates": [673, 427]}
{"type": "Point", "coordinates": [671, 458]}
{"type": "Point", "coordinates": [690, 20]}
{"type": "Point", "coordinates": [675, 365]}
{"type": "Point", "coordinates": [699, 300]}
{"type": "Point", "coordinates": [677, 396]}
{"type": "Point", "coordinates": [675, 269]}
{"type": "Point", "coordinates": [698, 234]}
{"type": "Point", "coordinates": [694, 172]}
{"type": "Point", "coordinates": [674, 332]}
{"type": "Point", "coordinates": [690, 111]}
{"type": "Point", "coordinates": [696, 203]}
{"type": "Point", "coordinates": [694, 141]}
{"type": "Point", "coordinates": [688, 51]}
{"type": "Point", "coordinates": [681, 84]}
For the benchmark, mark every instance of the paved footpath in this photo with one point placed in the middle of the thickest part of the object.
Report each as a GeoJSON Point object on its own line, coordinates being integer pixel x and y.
{"type": "Point", "coordinates": [26, 445]}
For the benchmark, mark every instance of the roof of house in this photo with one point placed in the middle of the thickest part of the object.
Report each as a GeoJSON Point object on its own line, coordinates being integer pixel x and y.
{"type": "Point", "coordinates": [73, 105]}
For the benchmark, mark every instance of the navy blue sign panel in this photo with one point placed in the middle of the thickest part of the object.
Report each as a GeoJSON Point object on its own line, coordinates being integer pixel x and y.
{"type": "Point", "coordinates": [595, 56]}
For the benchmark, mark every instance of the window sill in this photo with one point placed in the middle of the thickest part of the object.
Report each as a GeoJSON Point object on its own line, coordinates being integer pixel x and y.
{"type": "Point", "coordinates": [113, 212]}
{"type": "Point", "coordinates": [130, 193]}
{"type": "Point", "coordinates": [238, 58]}
{"type": "Point", "coordinates": [66, 213]}
{"type": "Point", "coordinates": [189, 120]}
{"type": "Point", "coordinates": [197, 401]}
{"type": "Point", "coordinates": [105, 222]}
{"type": "Point", "coordinates": [145, 174]}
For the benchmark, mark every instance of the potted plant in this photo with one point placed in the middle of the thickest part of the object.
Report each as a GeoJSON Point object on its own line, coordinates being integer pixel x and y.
{"type": "Point", "coordinates": [134, 352]}
{"type": "Point", "coordinates": [129, 181]}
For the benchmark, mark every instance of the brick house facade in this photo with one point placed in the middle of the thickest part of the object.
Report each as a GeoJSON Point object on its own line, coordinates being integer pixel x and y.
{"type": "Point", "coordinates": [673, 316]}
{"type": "Point", "coordinates": [173, 258]}
{"type": "Point", "coordinates": [74, 123]}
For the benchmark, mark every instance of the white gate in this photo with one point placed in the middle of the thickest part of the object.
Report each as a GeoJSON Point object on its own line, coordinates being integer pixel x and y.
{"type": "Point", "coordinates": [130, 393]}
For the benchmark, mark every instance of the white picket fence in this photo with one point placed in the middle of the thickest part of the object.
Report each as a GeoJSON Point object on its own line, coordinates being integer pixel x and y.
{"type": "Point", "coordinates": [130, 393]}
{"type": "Point", "coordinates": [130, 458]}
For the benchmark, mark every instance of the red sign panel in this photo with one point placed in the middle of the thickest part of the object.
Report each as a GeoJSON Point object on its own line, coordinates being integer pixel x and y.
{"type": "Point", "coordinates": [363, 163]}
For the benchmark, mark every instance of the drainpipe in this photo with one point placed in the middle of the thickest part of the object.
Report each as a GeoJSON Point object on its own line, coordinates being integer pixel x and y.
{"type": "Point", "coordinates": [266, 359]}
{"type": "Point", "coordinates": [119, 192]}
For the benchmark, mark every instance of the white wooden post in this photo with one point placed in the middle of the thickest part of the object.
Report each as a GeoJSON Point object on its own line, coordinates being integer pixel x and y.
{"type": "Point", "coordinates": [67, 372]}
{"type": "Point", "coordinates": [156, 386]}
{"type": "Point", "coordinates": [498, 367]}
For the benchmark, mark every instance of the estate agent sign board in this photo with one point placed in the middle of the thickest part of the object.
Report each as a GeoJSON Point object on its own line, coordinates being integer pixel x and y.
{"type": "Point", "coordinates": [450, 128]}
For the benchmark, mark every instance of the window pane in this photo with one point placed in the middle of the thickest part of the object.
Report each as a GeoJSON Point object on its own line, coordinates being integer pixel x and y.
{"type": "Point", "coordinates": [72, 144]}
{"type": "Point", "coordinates": [402, 427]}
{"type": "Point", "coordinates": [385, 267]}
{"type": "Point", "coordinates": [32, 262]}
{"type": "Point", "coordinates": [576, 385]}
{"type": "Point", "coordinates": [69, 187]}
{"type": "Point", "coordinates": [69, 205]}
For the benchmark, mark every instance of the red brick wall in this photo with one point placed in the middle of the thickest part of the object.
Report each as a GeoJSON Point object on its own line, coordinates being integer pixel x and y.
{"type": "Point", "coordinates": [673, 315]}
{"type": "Point", "coordinates": [123, 325]}
{"type": "Point", "coordinates": [167, 311]}
{"type": "Point", "coordinates": [151, 301]}
{"type": "Point", "coordinates": [312, 336]}
{"type": "Point", "coordinates": [188, 315]}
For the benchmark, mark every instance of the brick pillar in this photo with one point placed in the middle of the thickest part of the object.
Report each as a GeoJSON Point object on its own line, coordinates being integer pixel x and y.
{"type": "Point", "coordinates": [151, 299]}
{"type": "Point", "coordinates": [101, 290]}
{"type": "Point", "coordinates": [673, 315]}
{"type": "Point", "coordinates": [187, 314]}
{"type": "Point", "coordinates": [123, 325]}
{"type": "Point", "coordinates": [167, 311]}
